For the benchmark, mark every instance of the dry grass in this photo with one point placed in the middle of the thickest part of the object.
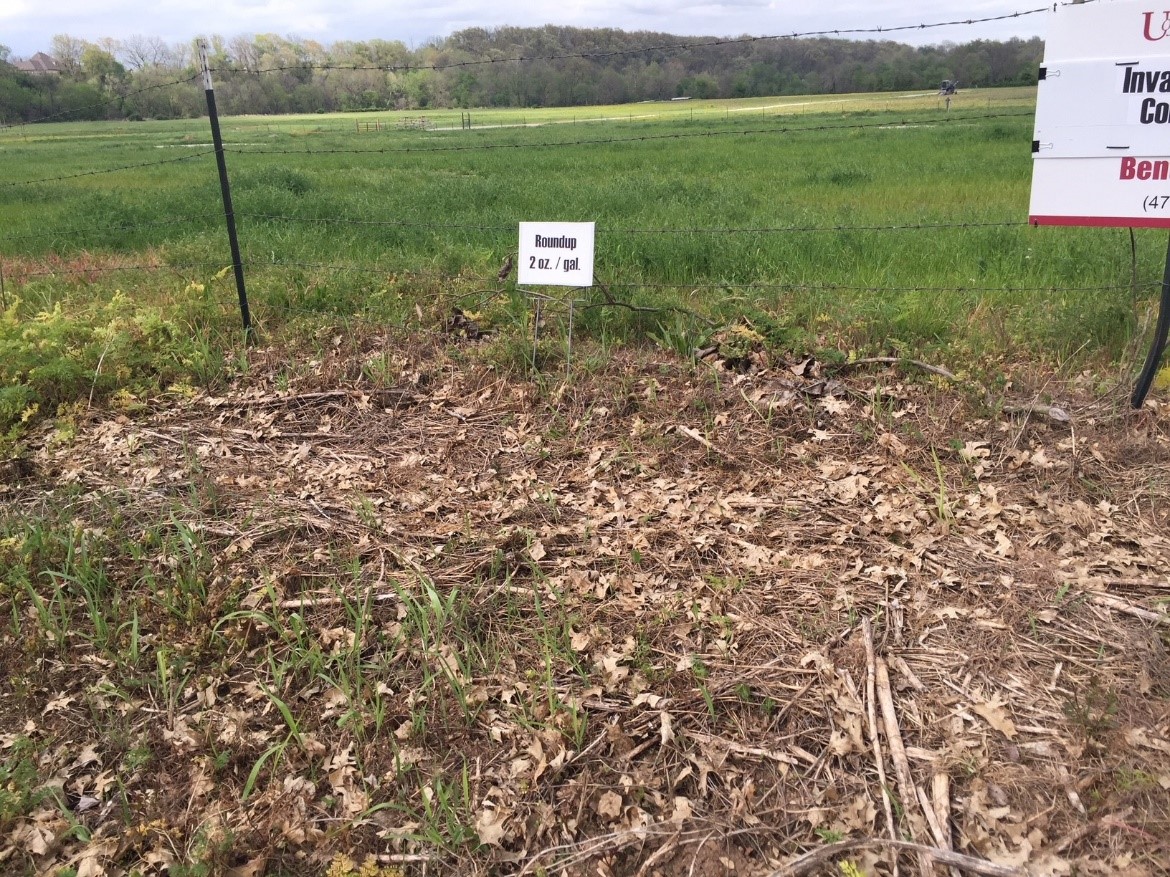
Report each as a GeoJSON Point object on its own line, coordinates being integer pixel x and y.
{"type": "Point", "coordinates": [657, 620]}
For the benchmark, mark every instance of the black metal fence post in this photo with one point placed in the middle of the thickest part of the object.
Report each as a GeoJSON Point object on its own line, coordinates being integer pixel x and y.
{"type": "Point", "coordinates": [225, 188]}
{"type": "Point", "coordinates": [1150, 371]}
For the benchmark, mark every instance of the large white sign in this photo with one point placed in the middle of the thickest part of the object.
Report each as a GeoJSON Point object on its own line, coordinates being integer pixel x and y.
{"type": "Point", "coordinates": [1104, 109]}
{"type": "Point", "coordinates": [1102, 138]}
{"type": "Point", "coordinates": [556, 254]}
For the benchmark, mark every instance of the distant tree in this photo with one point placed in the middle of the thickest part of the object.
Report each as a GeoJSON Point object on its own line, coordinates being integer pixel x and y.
{"type": "Point", "coordinates": [702, 86]}
{"type": "Point", "coordinates": [16, 95]}
{"type": "Point", "coordinates": [566, 66]}
{"type": "Point", "coordinates": [5, 52]}
{"type": "Point", "coordinates": [465, 89]}
{"type": "Point", "coordinates": [102, 69]}
{"type": "Point", "coordinates": [67, 51]}
{"type": "Point", "coordinates": [140, 51]}
{"type": "Point", "coordinates": [245, 53]}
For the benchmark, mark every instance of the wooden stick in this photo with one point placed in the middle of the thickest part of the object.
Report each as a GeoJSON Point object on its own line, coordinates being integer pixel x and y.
{"type": "Point", "coordinates": [941, 789]}
{"type": "Point", "coordinates": [1108, 601]}
{"type": "Point", "coordinates": [940, 794]}
{"type": "Point", "coordinates": [696, 436]}
{"type": "Point", "coordinates": [909, 793]}
{"type": "Point", "coordinates": [871, 716]}
{"type": "Point", "coordinates": [811, 861]}
{"type": "Point", "coordinates": [741, 749]}
{"type": "Point", "coordinates": [900, 360]}
{"type": "Point", "coordinates": [932, 822]}
{"type": "Point", "coordinates": [1050, 411]}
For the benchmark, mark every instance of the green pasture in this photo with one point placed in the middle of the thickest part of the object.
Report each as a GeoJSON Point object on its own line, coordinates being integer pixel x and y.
{"type": "Point", "coordinates": [786, 211]}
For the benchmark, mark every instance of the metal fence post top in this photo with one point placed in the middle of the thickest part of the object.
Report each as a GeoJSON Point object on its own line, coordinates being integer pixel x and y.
{"type": "Point", "coordinates": [204, 66]}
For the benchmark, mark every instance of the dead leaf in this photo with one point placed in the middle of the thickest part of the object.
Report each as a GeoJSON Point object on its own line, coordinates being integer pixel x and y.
{"type": "Point", "coordinates": [610, 805]}
{"type": "Point", "coordinates": [489, 825]}
{"type": "Point", "coordinates": [252, 868]}
{"type": "Point", "coordinates": [666, 729]}
{"type": "Point", "coordinates": [57, 704]}
{"type": "Point", "coordinates": [994, 714]}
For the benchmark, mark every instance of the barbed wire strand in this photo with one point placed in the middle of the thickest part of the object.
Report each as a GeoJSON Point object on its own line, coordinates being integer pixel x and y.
{"type": "Point", "coordinates": [840, 287]}
{"type": "Point", "coordinates": [712, 285]}
{"type": "Point", "coordinates": [944, 120]}
{"type": "Point", "coordinates": [607, 229]}
{"type": "Point", "coordinates": [112, 170]}
{"type": "Point", "coordinates": [602, 229]}
{"type": "Point", "coordinates": [17, 274]}
{"type": "Point", "coordinates": [66, 233]}
{"type": "Point", "coordinates": [668, 47]}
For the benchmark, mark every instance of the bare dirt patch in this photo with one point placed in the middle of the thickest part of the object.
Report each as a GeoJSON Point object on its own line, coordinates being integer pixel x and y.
{"type": "Point", "coordinates": [657, 620]}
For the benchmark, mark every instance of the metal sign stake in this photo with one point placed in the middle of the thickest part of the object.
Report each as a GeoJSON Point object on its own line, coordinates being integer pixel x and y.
{"type": "Point", "coordinates": [1150, 370]}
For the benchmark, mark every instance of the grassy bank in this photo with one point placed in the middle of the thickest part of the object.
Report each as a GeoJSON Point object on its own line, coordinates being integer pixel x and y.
{"type": "Point", "coordinates": [880, 221]}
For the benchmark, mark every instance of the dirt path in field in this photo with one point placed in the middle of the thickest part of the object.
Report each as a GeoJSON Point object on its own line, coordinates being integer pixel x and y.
{"type": "Point", "coordinates": [659, 620]}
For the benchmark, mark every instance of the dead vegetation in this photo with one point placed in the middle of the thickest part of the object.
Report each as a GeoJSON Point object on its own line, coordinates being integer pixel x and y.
{"type": "Point", "coordinates": [659, 619]}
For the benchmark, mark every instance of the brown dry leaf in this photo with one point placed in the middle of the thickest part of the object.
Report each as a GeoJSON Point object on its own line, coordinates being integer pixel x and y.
{"type": "Point", "coordinates": [609, 805]}
{"type": "Point", "coordinates": [1145, 739]}
{"type": "Point", "coordinates": [57, 704]}
{"type": "Point", "coordinates": [90, 864]}
{"type": "Point", "coordinates": [834, 406]}
{"type": "Point", "coordinates": [666, 728]}
{"type": "Point", "coordinates": [252, 868]}
{"type": "Point", "coordinates": [994, 713]}
{"type": "Point", "coordinates": [489, 825]}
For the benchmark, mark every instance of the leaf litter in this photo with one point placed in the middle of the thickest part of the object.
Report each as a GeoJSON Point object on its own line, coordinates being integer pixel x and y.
{"type": "Point", "coordinates": [659, 619]}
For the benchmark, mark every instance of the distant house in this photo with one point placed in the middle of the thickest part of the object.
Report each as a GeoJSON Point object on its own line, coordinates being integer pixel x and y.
{"type": "Point", "coordinates": [40, 63]}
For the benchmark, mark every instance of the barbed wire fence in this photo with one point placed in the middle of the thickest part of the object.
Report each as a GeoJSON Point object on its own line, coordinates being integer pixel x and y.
{"type": "Point", "coordinates": [76, 238]}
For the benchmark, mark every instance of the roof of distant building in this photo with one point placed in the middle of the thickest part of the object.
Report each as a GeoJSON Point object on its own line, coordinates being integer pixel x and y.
{"type": "Point", "coordinates": [38, 63]}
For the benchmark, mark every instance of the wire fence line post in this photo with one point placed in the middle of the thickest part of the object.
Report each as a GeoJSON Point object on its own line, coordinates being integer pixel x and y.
{"type": "Point", "coordinates": [225, 188]}
{"type": "Point", "coordinates": [3, 291]}
{"type": "Point", "coordinates": [1158, 346]}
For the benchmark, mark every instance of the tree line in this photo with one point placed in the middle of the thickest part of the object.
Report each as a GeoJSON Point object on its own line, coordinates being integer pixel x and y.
{"type": "Point", "coordinates": [566, 66]}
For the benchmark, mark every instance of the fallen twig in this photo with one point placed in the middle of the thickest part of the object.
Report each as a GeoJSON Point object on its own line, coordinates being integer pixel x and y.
{"type": "Point", "coordinates": [1050, 411]}
{"type": "Point", "coordinates": [1108, 601]}
{"type": "Point", "coordinates": [901, 360]}
{"type": "Point", "coordinates": [741, 749]}
{"type": "Point", "coordinates": [611, 302]}
{"type": "Point", "coordinates": [871, 716]}
{"type": "Point", "coordinates": [696, 436]}
{"type": "Point", "coordinates": [909, 792]}
{"type": "Point", "coordinates": [810, 861]}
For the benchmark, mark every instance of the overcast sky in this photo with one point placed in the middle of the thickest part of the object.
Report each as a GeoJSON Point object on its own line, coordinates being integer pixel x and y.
{"type": "Point", "coordinates": [27, 26]}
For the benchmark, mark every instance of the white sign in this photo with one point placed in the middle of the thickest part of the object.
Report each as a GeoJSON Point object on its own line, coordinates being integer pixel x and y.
{"type": "Point", "coordinates": [556, 254]}
{"type": "Point", "coordinates": [1102, 138]}
{"type": "Point", "coordinates": [1104, 109]}
{"type": "Point", "coordinates": [1113, 30]}
{"type": "Point", "coordinates": [1126, 192]}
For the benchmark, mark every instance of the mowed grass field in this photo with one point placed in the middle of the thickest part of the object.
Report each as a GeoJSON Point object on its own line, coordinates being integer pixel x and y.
{"type": "Point", "coordinates": [878, 221]}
